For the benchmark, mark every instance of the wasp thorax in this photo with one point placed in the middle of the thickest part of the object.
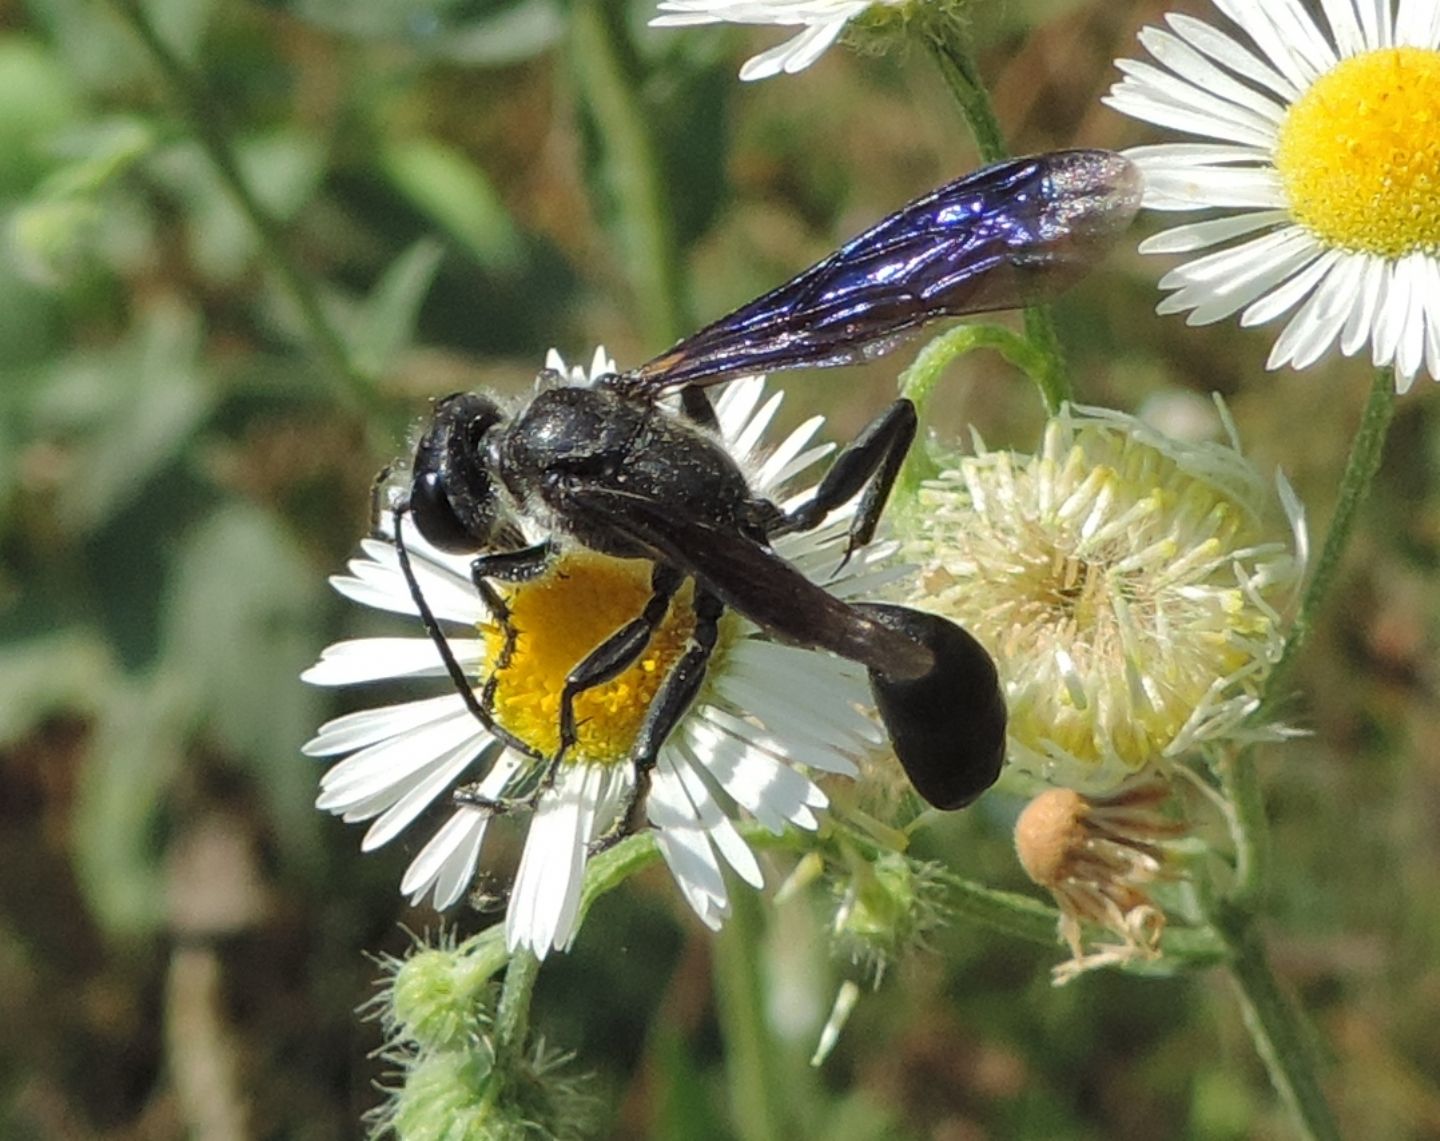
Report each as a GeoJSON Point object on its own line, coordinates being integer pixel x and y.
{"type": "Point", "coordinates": [558, 619]}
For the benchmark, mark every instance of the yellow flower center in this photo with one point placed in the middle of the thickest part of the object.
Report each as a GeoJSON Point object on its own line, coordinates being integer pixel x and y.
{"type": "Point", "coordinates": [1359, 154]}
{"type": "Point", "coordinates": [559, 618]}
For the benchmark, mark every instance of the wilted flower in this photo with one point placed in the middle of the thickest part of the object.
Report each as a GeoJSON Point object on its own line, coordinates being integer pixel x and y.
{"type": "Point", "coordinates": [1130, 588]}
{"type": "Point", "coordinates": [1099, 857]}
{"type": "Point", "coordinates": [1326, 161]}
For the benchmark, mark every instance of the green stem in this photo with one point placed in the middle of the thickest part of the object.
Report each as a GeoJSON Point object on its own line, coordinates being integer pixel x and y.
{"type": "Point", "coordinates": [599, 53]}
{"type": "Point", "coordinates": [1279, 1032]}
{"type": "Point", "coordinates": [205, 117]}
{"type": "Point", "coordinates": [1238, 771]}
{"type": "Point", "coordinates": [512, 1013]}
{"type": "Point", "coordinates": [1250, 833]}
{"type": "Point", "coordinates": [752, 1062]}
{"type": "Point", "coordinates": [1366, 451]}
{"type": "Point", "coordinates": [949, 47]}
{"type": "Point", "coordinates": [1052, 377]}
{"type": "Point", "coordinates": [1271, 1017]}
{"type": "Point", "coordinates": [919, 380]}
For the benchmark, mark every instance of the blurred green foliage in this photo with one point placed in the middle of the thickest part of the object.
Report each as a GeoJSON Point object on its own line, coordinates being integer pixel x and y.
{"type": "Point", "coordinates": [181, 466]}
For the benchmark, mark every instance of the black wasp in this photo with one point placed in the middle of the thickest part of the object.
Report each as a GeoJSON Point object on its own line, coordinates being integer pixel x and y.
{"type": "Point", "coordinates": [608, 467]}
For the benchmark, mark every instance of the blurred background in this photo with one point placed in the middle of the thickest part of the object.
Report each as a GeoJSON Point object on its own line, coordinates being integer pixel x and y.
{"type": "Point", "coordinates": [185, 941]}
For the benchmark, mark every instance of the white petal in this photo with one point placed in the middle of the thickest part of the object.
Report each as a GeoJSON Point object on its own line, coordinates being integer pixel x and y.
{"type": "Point", "coordinates": [1360, 324]}
{"type": "Point", "coordinates": [761, 783]}
{"type": "Point", "coordinates": [795, 54]}
{"type": "Point", "coordinates": [1256, 20]}
{"type": "Point", "coordinates": [692, 865]}
{"type": "Point", "coordinates": [381, 659]}
{"type": "Point", "coordinates": [1195, 69]}
{"type": "Point", "coordinates": [1204, 187]}
{"type": "Point", "coordinates": [1345, 30]}
{"type": "Point", "coordinates": [366, 727]}
{"type": "Point", "coordinates": [1430, 292]}
{"type": "Point", "coordinates": [390, 767]}
{"type": "Point", "coordinates": [712, 817]}
{"type": "Point", "coordinates": [1290, 294]}
{"type": "Point", "coordinates": [735, 405]}
{"type": "Point", "coordinates": [546, 895]}
{"type": "Point", "coordinates": [1201, 235]}
{"type": "Point", "coordinates": [441, 778]}
{"type": "Point", "coordinates": [447, 863]}
{"type": "Point", "coordinates": [743, 446]}
{"type": "Point", "coordinates": [772, 472]}
{"type": "Point", "coordinates": [1159, 156]}
{"type": "Point", "coordinates": [1229, 52]}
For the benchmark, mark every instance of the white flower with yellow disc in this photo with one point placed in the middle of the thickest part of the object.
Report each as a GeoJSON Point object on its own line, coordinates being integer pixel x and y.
{"type": "Point", "coordinates": [1324, 156]}
{"type": "Point", "coordinates": [764, 710]}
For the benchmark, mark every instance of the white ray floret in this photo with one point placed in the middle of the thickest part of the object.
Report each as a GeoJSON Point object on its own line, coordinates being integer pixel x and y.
{"type": "Point", "coordinates": [820, 21]}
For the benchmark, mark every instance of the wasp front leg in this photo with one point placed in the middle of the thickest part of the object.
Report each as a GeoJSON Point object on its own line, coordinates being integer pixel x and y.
{"type": "Point", "coordinates": [507, 566]}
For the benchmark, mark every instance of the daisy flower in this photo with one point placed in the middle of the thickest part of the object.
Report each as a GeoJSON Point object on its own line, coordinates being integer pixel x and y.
{"type": "Point", "coordinates": [763, 710]}
{"type": "Point", "coordinates": [822, 22]}
{"type": "Point", "coordinates": [1130, 587]}
{"type": "Point", "coordinates": [1322, 149]}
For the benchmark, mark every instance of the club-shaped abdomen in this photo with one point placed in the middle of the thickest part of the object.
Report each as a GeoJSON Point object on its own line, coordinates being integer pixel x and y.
{"type": "Point", "coordinates": [948, 725]}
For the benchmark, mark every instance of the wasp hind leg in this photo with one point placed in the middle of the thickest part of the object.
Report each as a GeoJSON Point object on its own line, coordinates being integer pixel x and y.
{"type": "Point", "coordinates": [670, 704]}
{"type": "Point", "coordinates": [607, 661]}
{"type": "Point", "coordinates": [872, 462]}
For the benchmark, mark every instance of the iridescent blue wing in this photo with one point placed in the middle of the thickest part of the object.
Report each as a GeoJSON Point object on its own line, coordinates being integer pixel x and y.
{"type": "Point", "coordinates": [1009, 235]}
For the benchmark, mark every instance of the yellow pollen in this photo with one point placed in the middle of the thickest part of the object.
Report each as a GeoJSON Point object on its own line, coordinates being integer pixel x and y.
{"type": "Point", "coordinates": [1359, 154]}
{"type": "Point", "coordinates": [559, 618]}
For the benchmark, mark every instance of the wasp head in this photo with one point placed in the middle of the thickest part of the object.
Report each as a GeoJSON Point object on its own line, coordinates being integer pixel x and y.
{"type": "Point", "coordinates": [453, 495]}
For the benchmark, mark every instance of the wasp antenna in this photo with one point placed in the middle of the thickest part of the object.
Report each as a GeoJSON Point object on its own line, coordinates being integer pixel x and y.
{"type": "Point", "coordinates": [378, 507]}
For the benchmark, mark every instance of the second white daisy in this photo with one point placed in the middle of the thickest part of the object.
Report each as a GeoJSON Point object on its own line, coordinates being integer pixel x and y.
{"type": "Point", "coordinates": [1325, 158]}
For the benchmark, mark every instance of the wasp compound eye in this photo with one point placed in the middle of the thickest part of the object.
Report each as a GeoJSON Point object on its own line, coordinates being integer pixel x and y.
{"type": "Point", "coordinates": [947, 725]}
{"type": "Point", "coordinates": [435, 518]}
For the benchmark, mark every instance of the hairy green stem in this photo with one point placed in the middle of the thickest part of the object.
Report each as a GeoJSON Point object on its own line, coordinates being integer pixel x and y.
{"type": "Point", "coordinates": [752, 1060]}
{"type": "Point", "coordinates": [919, 380]}
{"type": "Point", "coordinates": [949, 47]}
{"type": "Point", "coordinates": [512, 1013]}
{"type": "Point", "coordinates": [1238, 771]}
{"type": "Point", "coordinates": [204, 116]}
{"type": "Point", "coordinates": [1279, 1031]}
{"type": "Point", "coordinates": [1366, 451]}
{"type": "Point", "coordinates": [1273, 1021]}
{"type": "Point", "coordinates": [599, 53]}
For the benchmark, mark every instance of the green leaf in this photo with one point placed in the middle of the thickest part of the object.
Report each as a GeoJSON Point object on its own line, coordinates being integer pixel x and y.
{"type": "Point", "coordinates": [282, 168]}
{"type": "Point", "coordinates": [138, 748]}
{"type": "Point", "coordinates": [133, 409]}
{"type": "Point", "coordinates": [181, 24]}
{"type": "Point", "coordinates": [64, 672]}
{"type": "Point", "coordinates": [493, 33]}
{"type": "Point", "coordinates": [37, 98]}
{"type": "Point", "coordinates": [450, 189]}
{"type": "Point", "coordinates": [241, 622]}
{"type": "Point", "coordinates": [384, 323]}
